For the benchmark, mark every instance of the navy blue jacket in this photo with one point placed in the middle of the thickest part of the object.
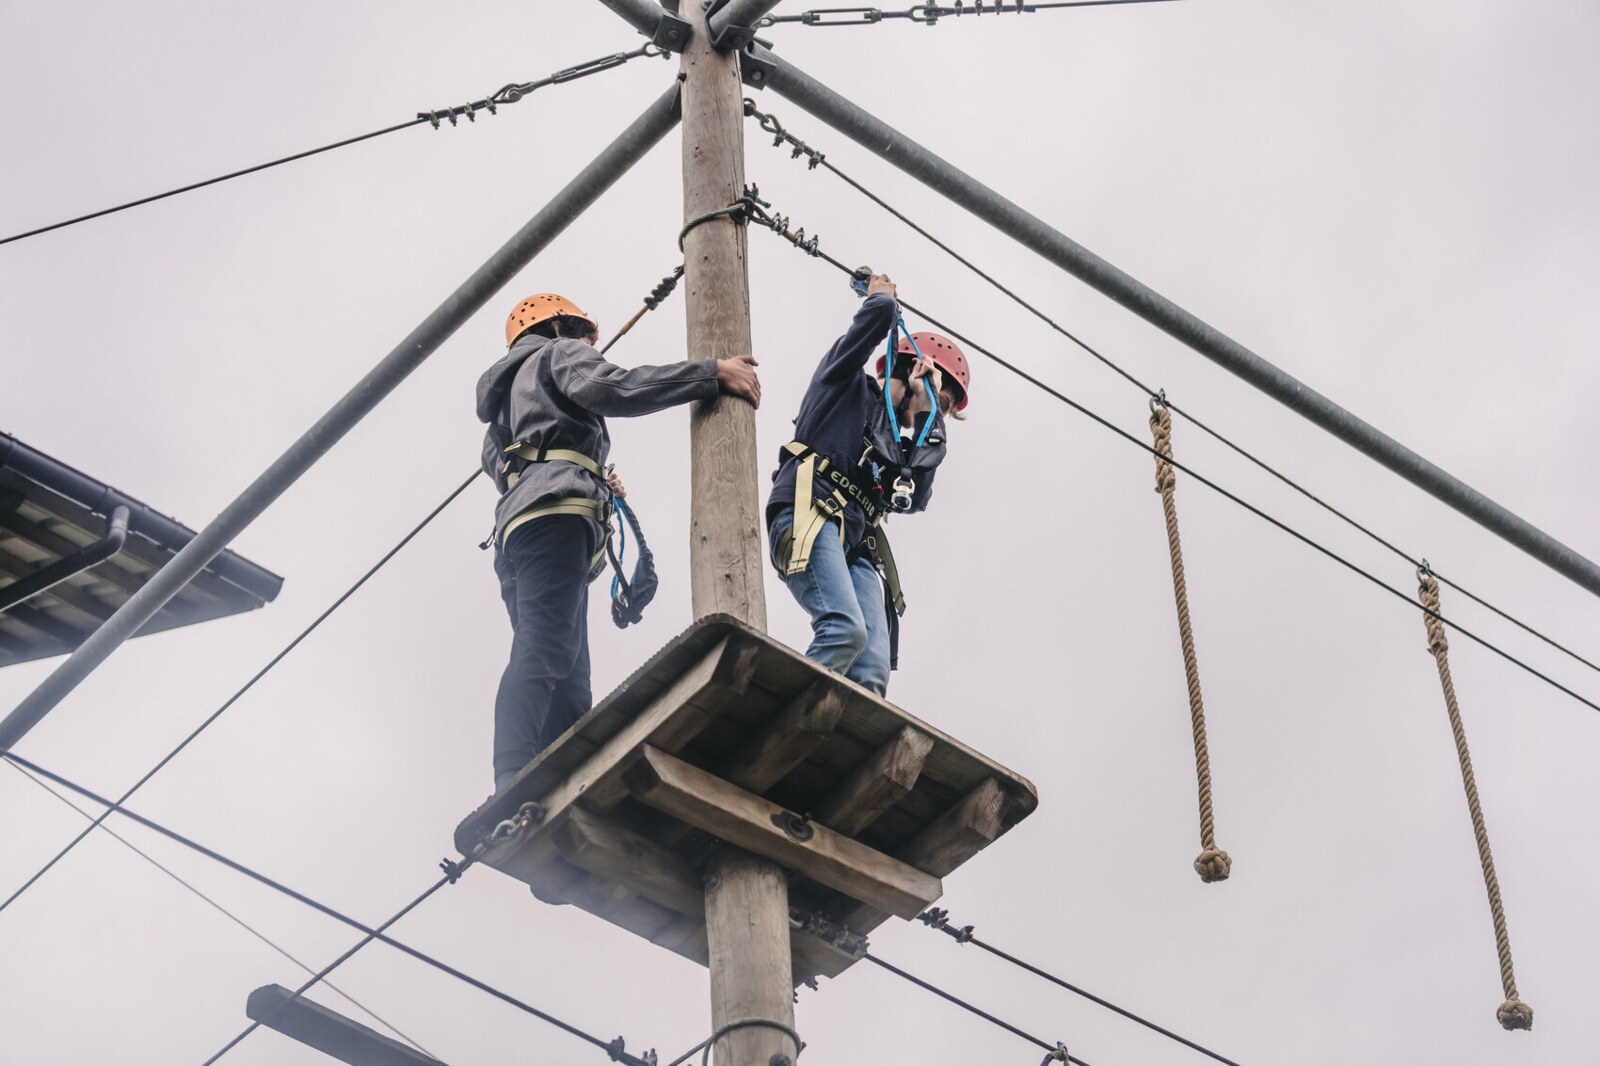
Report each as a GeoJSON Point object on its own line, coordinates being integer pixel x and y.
{"type": "Point", "coordinates": [833, 413]}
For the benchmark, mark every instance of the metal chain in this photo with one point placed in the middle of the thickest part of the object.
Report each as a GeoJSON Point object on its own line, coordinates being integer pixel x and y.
{"type": "Point", "coordinates": [928, 14]}
{"type": "Point", "coordinates": [1213, 864]}
{"type": "Point", "coordinates": [1513, 1013]}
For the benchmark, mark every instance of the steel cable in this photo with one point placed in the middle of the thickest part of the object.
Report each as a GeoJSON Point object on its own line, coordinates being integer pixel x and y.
{"type": "Point", "coordinates": [810, 247]}
{"type": "Point", "coordinates": [452, 872]}
{"type": "Point", "coordinates": [939, 919]}
{"type": "Point", "coordinates": [246, 926]}
{"type": "Point", "coordinates": [246, 687]}
{"type": "Point", "coordinates": [510, 94]}
{"type": "Point", "coordinates": [979, 1011]}
{"type": "Point", "coordinates": [770, 124]}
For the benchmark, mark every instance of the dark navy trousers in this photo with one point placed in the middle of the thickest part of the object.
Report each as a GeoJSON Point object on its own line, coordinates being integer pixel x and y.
{"type": "Point", "coordinates": [545, 687]}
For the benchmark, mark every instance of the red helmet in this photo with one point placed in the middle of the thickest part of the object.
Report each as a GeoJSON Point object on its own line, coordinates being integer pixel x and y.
{"type": "Point", "coordinates": [946, 356]}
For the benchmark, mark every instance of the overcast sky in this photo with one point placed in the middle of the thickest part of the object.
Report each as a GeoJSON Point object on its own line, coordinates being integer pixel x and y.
{"type": "Point", "coordinates": [1392, 201]}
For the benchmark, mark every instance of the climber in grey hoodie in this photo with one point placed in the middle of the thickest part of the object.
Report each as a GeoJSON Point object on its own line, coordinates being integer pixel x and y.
{"type": "Point", "coordinates": [549, 397]}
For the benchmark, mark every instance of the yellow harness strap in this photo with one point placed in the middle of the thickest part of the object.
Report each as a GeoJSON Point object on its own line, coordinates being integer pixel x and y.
{"type": "Point", "coordinates": [524, 450]}
{"type": "Point", "coordinates": [578, 505]}
{"type": "Point", "coordinates": [811, 513]}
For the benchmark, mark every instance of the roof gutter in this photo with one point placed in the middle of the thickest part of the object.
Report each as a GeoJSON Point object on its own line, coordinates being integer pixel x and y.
{"type": "Point", "coordinates": [63, 568]}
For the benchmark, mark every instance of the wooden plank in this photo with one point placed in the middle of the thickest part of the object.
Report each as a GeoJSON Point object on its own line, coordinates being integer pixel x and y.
{"type": "Point", "coordinates": [959, 833]}
{"type": "Point", "coordinates": [607, 850]}
{"type": "Point", "coordinates": [803, 726]}
{"type": "Point", "coordinates": [729, 812]}
{"type": "Point", "coordinates": [947, 842]}
{"type": "Point", "coordinates": [877, 784]}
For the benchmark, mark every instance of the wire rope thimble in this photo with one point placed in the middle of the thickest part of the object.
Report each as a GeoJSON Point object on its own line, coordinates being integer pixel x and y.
{"type": "Point", "coordinates": [1058, 1054]}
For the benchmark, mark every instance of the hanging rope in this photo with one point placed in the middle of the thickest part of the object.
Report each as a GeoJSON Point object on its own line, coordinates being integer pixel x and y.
{"type": "Point", "coordinates": [1513, 1013]}
{"type": "Point", "coordinates": [1213, 863]}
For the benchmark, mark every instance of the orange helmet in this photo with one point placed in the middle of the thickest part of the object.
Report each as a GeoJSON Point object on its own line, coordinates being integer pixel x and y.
{"type": "Point", "coordinates": [946, 356]}
{"type": "Point", "coordinates": [542, 307]}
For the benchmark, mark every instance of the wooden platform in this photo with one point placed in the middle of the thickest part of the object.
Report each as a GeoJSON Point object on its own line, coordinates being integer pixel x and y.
{"type": "Point", "coordinates": [725, 735]}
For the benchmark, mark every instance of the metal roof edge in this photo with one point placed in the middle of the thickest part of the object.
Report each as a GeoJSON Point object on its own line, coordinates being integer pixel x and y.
{"type": "Point", "coordinates": [102, 499]}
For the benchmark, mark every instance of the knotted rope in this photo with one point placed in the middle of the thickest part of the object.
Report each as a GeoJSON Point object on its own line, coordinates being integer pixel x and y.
{"type": "Point", "coordinates": [1513, 1013]}
{"type": "Point", "coordinates": [1213, 864]}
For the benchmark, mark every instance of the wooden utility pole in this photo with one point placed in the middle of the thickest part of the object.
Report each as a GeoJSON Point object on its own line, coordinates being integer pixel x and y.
{"type": "Point", "coordinates": [725, 526]}
{"type": "Point", "coordinates": [747, 896]}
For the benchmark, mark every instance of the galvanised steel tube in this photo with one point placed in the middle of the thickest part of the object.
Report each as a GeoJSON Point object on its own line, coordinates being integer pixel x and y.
{"type": "Point", "coordinates": [871, 133]}
{"type": "Point", "coordinates": [738, 13]}
{"type": "Point", "coordinates": [642, 15]}
{"type": "Point", "coordinates": [476, 291]}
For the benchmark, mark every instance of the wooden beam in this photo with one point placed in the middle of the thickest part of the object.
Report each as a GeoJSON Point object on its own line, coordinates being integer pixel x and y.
{"type": "Point", "coordinates": [877, 784]}
{"type": "Point", "coordinates": [959, 833]}
{"type": "Point", "coordinates": [799, 730]}
{"type": "Point", "coordinates": [592, 843]}
{"type": "Point", "coordinates": [659, 723]}
{"type": "Point", "coordinates": [748, 821]}
{"type": "Point", "coordinates": [950, 840]}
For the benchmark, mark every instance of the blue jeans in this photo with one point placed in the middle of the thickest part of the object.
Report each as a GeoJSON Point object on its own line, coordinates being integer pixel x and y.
{"type": "Point", "coordinates": [849, 631]}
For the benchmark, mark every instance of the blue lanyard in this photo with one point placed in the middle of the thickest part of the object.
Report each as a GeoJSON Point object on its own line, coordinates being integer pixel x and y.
{"type": "Point", "coordinates": [933, 399]}
{"type": "Point", "coordinates": [888, 361]}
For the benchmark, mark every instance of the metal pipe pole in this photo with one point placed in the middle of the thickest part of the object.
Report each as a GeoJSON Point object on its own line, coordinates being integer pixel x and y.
{"type": "Point", "coordinates": [642, 15]}
{"type": "Point", "coordinates": [875, 135]}
{"type": "Point", "coordinates": [738, 13]}
{"type": "Point", "coordinates": [459, 306]}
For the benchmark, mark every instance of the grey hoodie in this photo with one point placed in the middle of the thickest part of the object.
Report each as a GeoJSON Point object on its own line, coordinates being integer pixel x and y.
{"type": "Point", "coordinates": [557, 394]}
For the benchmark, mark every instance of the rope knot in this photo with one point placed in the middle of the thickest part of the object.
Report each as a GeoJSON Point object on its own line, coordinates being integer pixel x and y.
{"type": "Point", "coordinates": [1428, 593]}
{"type": "Point", "coordinates": [1515, 1014]}
{"type": "Point", "coordinates": [1213, 865]}
{"type": "Point", "coordinates": [1161, 429]}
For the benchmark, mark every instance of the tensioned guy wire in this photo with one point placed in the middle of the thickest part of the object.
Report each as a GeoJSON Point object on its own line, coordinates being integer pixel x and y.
{"type": "Point", "coordinates": [240, 922]}
{"type": "Point", "coordinates": [509, 94]}
{"type": "Point", "coordinates": [755, 212]}
{"type": "Point", "coordinates": [1056, 1050]}
{"type": "Point", "coordinates": [815, 158]}
{"type": "Point", "coordinates": [246, 687]}
{"type": "Point", "coordinates": [939, 919]}
{"type": "Point", "coordinates": [614, 1048]}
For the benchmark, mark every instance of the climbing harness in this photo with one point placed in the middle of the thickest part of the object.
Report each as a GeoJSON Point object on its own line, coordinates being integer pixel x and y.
{"type": "Point", "coordinates": [521, 455]}
{"type": "Point", "coordinates": [812, 513]}
{"type": "Point", "coordinates": [1513, 1013]}
{"type": "Point", "coordinates": [1213, 864]}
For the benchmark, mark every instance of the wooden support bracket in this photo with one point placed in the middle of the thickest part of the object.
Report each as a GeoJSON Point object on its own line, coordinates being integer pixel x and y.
{"type": "Point", "coordinates": [877, 784]}
{"type": "Point", "coordinates": [591, 843]}
{"type": "Point", "coordinates": [803, 727]}
{"type": "Point", "coordinates": [750, 822]}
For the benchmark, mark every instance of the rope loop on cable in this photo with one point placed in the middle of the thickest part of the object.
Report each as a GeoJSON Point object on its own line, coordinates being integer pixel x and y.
{"type": "Point", "coordinates": [1058, 1055]}
{"type": "Point", "coordinates": [709, 1043]}
{"type": "Point", "coordinates": [1213, 864]}
{"type": "Point", "coordinates": [1513, 1013]}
